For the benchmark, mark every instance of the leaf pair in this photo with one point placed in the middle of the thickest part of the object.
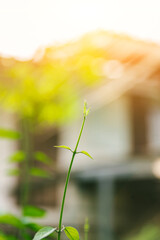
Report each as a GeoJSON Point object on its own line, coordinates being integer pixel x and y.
{"type": "Point", "coordinates": [66, 147]}
{"type": "Point", "coordinates": [20, 156]}
{"type": "Point", "coordinates": [70, 232]}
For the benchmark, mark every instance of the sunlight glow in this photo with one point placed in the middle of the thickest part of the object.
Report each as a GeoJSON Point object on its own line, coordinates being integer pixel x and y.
{"type": "Point", "coordinates": [27, 25]}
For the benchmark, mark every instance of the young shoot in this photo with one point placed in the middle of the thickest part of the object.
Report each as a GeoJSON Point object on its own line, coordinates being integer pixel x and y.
{"type": "Point", "coordinates": [69, 231]}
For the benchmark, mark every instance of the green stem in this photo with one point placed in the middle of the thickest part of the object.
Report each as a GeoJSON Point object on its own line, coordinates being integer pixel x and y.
{"type": "Point", "coordinates": [86, 229]}
{"type": "Point", "coordinates": [67, 179]}
{"type": "Point", "coordinates": [86, 235]}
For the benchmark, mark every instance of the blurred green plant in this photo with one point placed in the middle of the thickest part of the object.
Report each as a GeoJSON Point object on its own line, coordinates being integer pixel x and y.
{"type": "Point", "coordinates": [47, 89]}
{"type": "Point", "coordinates": [148, 232]}
{"type": "Point", "coordinates": [9, 134]}
{"type": "Point", "coordinates": [24, 225]}
{"type": "Point", "coordinates": [70, 232]}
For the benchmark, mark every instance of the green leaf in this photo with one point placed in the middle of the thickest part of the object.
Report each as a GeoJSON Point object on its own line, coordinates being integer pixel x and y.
{"type": "Point", "coordinates": [44, 232]}
{"type": "Point", "coordinates": [71, 233]}
{"type": "Point", "coordinates": [37, 172]}
{"type": "Point", "coordinates": [14, 172]}
{"type": "Point", "coordinates": [42, 157]}
{"type": "Point", "coordinates": [31, 211]}
{"type": "Point", "coordinates": [11, 220]}
{"type": "Point", "coordinates": [17, 157]}
{"type": "Point", "coordinates": [33, 226]}
{"type": "Point", "coordinates": [86, 153]}
{"type": "Point", "coordinates": [7, 133]}
{"type": "Point", "coordinates": [63, 146]}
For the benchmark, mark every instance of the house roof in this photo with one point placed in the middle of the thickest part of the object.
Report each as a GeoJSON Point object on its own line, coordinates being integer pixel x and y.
{"type": "Point", "coordinates": [138, 64]}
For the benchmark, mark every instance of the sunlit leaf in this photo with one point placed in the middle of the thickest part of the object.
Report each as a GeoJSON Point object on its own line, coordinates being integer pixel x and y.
{"type": "Point", "coordinates": [71, 233]}
{"type": "Point", "coordinates": [7, 133]}
{"type": "Point", "coordinates": [63, 146]}
{"type": "Point", "coordinates": [11, 220]}
{"type": "Point", "coordinates": [87, 111]}
{"type": "Point", "coordinates": [42, 157]}
{"type": "Point", "coordinates": [31, 211]}
{"type": "Point", "coordinates": [37, 172]}
{"type": "Point", "coordinates": [86, 153]}
{"type": "Point", "coordinates": [44, 232]}
{"type": "Point", "coordinates": [17, 157]}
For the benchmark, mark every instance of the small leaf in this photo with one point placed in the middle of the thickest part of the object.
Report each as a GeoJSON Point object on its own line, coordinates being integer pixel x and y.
{"type": "Point", "coordinates": [44, 232]}
{"type": "Point", "coordinates": [37, 172]}
{"type": "Point", "coordinates": [31, 211]}
{"type": "Point", "coordinates": [11, 220]}
{"type": "Point", "coordinates": [17, 157]}
{"type": "Point", "coordinates": [63, 146]}
{"type": "Point", "coordinates": [42, 157]}
{"type": "Point", "coordinates": [87, 111]}
{"type": "Point", "coordinates": [86, 153]}
{"type": "Point", "coordinates": [7, 133]}
{"type": "Point", "coordinates": [71, 233]}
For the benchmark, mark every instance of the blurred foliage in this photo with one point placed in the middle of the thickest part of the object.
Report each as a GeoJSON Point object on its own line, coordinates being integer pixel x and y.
{"type": "Point", "coordinates": [148, 232]}
{"type": "Point", "coordinates": [46, 90]}
{"type": "Point", "coordinates": [9, 134]}
{"type": "Point", "coordinates": [22, 227]}
{"type": "Point", "coordinates": [47, 87]}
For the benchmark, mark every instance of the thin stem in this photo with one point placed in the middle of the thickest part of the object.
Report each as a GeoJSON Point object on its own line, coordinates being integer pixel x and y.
{"type": "Point", "coordinates": [86, 235]}
{"type": "Point", "coordinates": [86, 229]}
{"type": "Point", "coordinates": [67, 179]}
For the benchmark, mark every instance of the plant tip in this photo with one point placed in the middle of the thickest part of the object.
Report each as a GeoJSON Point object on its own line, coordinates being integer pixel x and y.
{"type": "Point", "coordinates": [85, 109]}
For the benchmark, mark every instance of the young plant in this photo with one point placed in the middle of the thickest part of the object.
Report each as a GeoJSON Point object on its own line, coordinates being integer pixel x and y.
{"type": "Point", "coordinates": [70, 232]}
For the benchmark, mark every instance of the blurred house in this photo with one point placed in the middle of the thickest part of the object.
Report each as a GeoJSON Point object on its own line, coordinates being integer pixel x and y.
{"type": "Point", "coordinates": [119, 190]}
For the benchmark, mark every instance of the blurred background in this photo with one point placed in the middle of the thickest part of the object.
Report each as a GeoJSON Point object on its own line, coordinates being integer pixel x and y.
{"type": "Point", "coordinates": [53, 56]}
